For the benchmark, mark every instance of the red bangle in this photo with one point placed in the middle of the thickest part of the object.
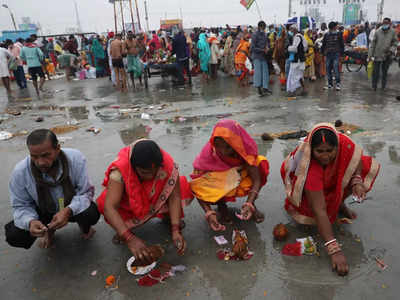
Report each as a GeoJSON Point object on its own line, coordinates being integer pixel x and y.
{"type": "Point", "coordinates": [127, 236]}
{"type": "Point", "coordinates": [175, 227]}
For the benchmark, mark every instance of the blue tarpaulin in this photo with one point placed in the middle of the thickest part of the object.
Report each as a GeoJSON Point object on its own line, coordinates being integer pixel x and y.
{"type": "Point", "coordinates": [16, 34]}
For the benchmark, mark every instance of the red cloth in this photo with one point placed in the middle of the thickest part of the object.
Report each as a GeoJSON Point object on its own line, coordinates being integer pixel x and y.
{"type": "Point", "coordinates": [136, 201]}
{"type": "Point", "coordinates": [292, 249]}
{"type": "Point", "coordinates": [329, 179]}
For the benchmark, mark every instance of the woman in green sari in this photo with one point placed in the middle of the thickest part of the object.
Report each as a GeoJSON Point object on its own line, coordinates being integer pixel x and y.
{"type": "Point", "coordinates": [99, 56]}
{"type": "Point", "coordinates": [204, 54]}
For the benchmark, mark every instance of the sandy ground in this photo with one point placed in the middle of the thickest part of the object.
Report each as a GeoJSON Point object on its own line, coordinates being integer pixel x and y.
{"type": "Point", "coordinates": [64, 272]}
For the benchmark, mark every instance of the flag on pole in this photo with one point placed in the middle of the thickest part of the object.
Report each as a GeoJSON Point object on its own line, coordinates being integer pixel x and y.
{"type": "Point", "coordinates": [247, 3]}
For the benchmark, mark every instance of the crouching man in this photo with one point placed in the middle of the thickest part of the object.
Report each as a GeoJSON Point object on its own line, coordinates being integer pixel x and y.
{"type": "Point", "coordinates": [48, 189]}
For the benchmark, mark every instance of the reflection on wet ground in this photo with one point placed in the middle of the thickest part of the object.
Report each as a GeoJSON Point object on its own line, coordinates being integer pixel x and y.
{"type": "Point", "coordinates": [181, 121]}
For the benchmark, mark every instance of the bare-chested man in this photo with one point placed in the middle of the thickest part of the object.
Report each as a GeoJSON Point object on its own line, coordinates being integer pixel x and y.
{"type": "Point", "coordinates": [117, 51]}
{"type": "Point", "coordinates": [134, 64]}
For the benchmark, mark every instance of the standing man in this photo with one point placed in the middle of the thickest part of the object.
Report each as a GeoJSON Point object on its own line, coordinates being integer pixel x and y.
{"type": "Point", "coordinates": [34, 58]}
{"type": "Point", "coordinates": [333, 48]}
{"type": "Point", "coordinates": [5, 56]}
{"type": "Point", "coordinates": [72, 45]}
{"type": "Point", "coordinates": [134, 64]}
{"type": "Point", "coordinates": [19, 73]}
{"type": "Point", "coordinates": [297, 57]}
{"type": "Point", "coordinates": [382, 48]}
{"type": "Point", "coordinates": [117, 51]}
{"type": "Point", "coordinates": [258, 49]}
{"type": "Point", "coordinates": [362, 39]}
{"type": "Point", "coordinates": [48, 189]}
{"type": "Point", "coordinates": [180, 48]}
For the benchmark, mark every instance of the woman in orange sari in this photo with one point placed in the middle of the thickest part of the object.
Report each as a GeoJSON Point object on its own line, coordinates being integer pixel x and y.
{"type": "Point", "coordinates": [228, 167]}
{"type": "Point", "coordinates": [319, 175]}
{"type": "Point", "coordinates": [141, 183]}
{"type": "Point", "coordinates": [241, 55]}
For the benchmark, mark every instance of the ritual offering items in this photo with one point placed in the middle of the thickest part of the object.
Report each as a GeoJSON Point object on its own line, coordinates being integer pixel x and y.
{"type": "Point", "coordinates": [280, 232]}
{"type": "Point", "coordinates": [347, 128]}
{"type": "Point", "coordinates": [160, 274]}
{"type": "Point", "coordinates": [240, 249]}
{"type": "Point", "coordinates": [240, 244]}
{"type": "Point", "coordinates": [303, 246]}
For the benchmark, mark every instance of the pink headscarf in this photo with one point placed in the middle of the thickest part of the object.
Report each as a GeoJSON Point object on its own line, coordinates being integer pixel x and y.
{"type": "Point", "coordinates": [235, 135]}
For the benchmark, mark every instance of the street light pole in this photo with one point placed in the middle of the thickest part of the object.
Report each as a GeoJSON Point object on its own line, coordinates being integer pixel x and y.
{"type": "Point", "coordinates": [12, 16]}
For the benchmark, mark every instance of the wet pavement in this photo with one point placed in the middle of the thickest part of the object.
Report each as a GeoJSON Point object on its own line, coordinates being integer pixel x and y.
{"type": "Point", "coordinates": [181, 120]}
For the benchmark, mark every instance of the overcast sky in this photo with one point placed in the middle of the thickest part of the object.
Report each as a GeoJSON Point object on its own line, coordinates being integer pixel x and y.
{"type": "Point", "coordinates": [97, 15]}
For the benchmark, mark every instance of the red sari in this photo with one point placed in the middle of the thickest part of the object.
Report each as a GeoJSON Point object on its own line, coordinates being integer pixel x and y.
{"type": "Point", "coordinates": [300, 171]}
{"type": "Point", "coordinates": [144, 200]}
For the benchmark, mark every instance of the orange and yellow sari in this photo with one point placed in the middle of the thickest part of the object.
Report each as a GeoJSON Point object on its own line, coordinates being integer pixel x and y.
{"type": "Point", "coordinates": [216, 177]}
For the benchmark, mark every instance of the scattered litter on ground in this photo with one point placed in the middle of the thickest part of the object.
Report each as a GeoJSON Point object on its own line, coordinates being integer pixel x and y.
{"type": "Point", "coordinates": [21, 133]}
{"type": "Point", "coordinates": [39, 119]}
{"type": "Point", "coordinates": [322, 109]}
{"type": "Point", "coordinates": [58, 91]}
{"type": "Point", "coordinates": [63, 139]}
{"type": "Point", "coordinates": [94, 273]}
{"type": "Point", "coordinates": [5, 135]}
{"type": "Point", "coordinates": [145, 116]}
{"type": "Point", "coordinates": [24, 99]}
{"type": "Point", "coordinates": [110, 280]}
{"type": "Point", "coordinates": [221, 240]}
{"type": "Point", "coordinates": [291, 98]}
{"type": "Point", "coordinates": [222, 116]}
{"type": "Point", "coordinates": [94, 130]}
{"type": "Point", "coordinates": [13, 112]}
{"type": "Point", "coordinates": [347, 128]}
{"type": "Point", "coordinates": [162, 90]}
{"type": "Point", "coordinates": [286, 135]}
{"type": "Point", "coordinates": [64, 129]}
{"type": "Point", "coordinates": [115, 106]}
{"type": "Point", "coordinates": [73, 122]}
{"type": "Point", "coordinates": [381, 264]}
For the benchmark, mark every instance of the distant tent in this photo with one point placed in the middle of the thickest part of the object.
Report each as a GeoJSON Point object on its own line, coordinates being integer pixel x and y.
{"type": "Point", "coordinates": [303, 22]}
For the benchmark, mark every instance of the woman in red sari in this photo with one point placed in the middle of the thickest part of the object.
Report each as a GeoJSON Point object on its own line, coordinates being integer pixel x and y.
{"type": "Point", "coordinates": [228, 167]}
{"type": "Point", "coordinates": [141, 183]}
{"type": "Point", "coordinates": [319, 175]}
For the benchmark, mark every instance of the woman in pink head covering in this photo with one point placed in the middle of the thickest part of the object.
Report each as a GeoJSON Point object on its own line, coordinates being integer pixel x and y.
{"type": "Point", "coordinates": [228, 167]}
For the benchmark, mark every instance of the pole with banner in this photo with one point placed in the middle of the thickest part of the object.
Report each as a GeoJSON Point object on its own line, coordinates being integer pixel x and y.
{"type": "Point", "coordinates": [133, 23]}
{"type": "Point", "coordinates": [248, 3]}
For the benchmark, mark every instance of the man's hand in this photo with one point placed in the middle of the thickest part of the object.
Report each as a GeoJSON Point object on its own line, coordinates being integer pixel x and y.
{"type": "Point", "coordinates": [37, 229]}
{"type": "Point", "coordinates": [60, 219]}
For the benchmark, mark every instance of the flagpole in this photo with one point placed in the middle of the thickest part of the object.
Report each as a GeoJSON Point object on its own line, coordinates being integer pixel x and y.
{"type": "Point", "coordinates": [258, 9]}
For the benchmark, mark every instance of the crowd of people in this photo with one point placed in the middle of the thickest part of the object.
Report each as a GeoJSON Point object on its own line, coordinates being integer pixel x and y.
{"type": "Point", "coordinates": [247, 53]}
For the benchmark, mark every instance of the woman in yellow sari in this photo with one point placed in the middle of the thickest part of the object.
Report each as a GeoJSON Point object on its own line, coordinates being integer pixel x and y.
{"type": "Point", "coordinates": [228, 167]}
{"type": "Point", "coordinates": [310, 65]}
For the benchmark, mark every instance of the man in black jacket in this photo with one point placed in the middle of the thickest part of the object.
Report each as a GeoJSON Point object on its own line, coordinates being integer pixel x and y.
{"type": "Point", "coordinates": [333, 48]}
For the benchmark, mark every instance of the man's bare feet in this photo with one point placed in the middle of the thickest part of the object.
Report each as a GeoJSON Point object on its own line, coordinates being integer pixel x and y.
{"type": "Point", "coordinates": [89, 235]}
{"type": "Point", "coordinates": [48, 239]}
{"type": "Point", "coordinates": [347, 212]}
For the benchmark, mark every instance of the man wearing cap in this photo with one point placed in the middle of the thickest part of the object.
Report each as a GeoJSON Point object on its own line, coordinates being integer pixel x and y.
{"type": "Point", "coordinates": [48, 189]}
{"type": "Point", "coordinates": [381, 52]}
{"type": "Point", "coordinates": [333, 48]}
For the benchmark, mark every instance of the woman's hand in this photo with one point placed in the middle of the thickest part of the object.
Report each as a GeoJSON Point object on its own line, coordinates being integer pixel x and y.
{"type": "Point", "coordinates": [138, 249]}
{"type": "Point", "coordinates": [179, 242]}
{"type": "Point", "coordinates": [214, 224]}
{"type": "Point", "coordinates": [359, 191]}
{"type": "Point", "coordinates": [339, 264]}
{"type": "Point", "coordinates": [246, 212]}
